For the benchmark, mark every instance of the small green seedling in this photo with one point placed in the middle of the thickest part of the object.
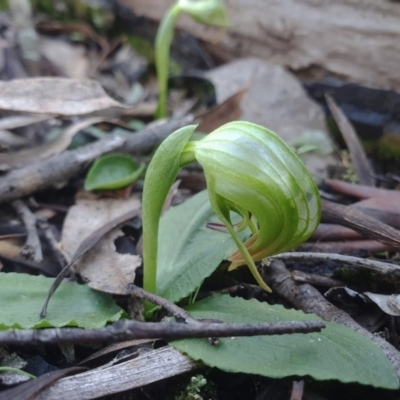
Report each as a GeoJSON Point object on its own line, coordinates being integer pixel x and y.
{"type": "Point", "coordinates": [113, 171]}
{"type": "Point", "coordinates": [16, 371]}
{"type": "Point", "coordinates": [250, 171]}
{"type": "Point", "coordinates": [210, 12]}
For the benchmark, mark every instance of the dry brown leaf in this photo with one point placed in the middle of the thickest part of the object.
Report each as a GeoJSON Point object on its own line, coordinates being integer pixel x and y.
{"type": "Point", "coordinates": [47, 150]}
{"type": "Point", "coordinates": [390, 304]}
{"type": "Point", "coordinates": [102, 266]}
{"type": "Point", "coordinates": [11, 247]}
{"type": "Point", "coordinates": [228, 111]}
{"type": "Point", "coordinates": [58, 96]}
{"type": "Point", "coordinates": [106, 270]}
{"type": "Point", "coordinates": [70, 60]}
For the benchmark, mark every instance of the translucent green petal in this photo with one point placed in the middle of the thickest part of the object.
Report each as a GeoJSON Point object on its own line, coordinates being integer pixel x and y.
{"type": "Point", "coordinates": [252, 169]}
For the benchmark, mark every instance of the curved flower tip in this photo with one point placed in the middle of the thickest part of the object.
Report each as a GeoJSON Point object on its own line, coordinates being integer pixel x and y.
{"type": "Point", "coordinates": [250, 170]}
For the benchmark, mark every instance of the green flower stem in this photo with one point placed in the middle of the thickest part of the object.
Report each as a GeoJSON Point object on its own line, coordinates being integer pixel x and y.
{"type": "Point", "coordinates": [210, 12]}
{"type": "Point", "coordinates": [160, 176]}
{"type": "Point", "coordinates": [247, 257]}
{"type": "Point", "coordinates": [164, 38]}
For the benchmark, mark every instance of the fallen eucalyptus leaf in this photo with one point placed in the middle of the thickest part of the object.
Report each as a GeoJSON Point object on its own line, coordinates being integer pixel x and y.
{"type": "Point", "coordinates": [60, 96]}
{"type": "Point", "coordinates": [99, 263]}
{"type": "Point", "coordinates": [107, 270]}
{"type": "Point", "coordinates": [390, 304]}
{"type": "Point", "coordinates": [335, 353]}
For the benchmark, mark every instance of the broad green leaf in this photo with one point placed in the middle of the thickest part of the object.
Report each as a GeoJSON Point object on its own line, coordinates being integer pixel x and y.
{"type": "Point", "coordinates": [188, 251]}
{"type": "Point", "coordinates": [22, 297]}
{"type": "Point", "coordinates": [113, 171]}
{"type": "Point", "coordinates": [335, 353]}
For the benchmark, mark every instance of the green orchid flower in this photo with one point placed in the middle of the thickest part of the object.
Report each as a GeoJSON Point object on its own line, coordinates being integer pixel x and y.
{"type": "Point", "coordinates": [250, 171]}
{"type": "Point", "coordinates": [208, 12]}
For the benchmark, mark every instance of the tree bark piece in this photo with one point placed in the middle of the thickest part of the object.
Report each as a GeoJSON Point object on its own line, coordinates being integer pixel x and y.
{"type": "Point", "coordinates": [356, 39]}
{"type": "Point", "coordinates": [32, 248]}
{"type": "Point", "coordinates": [152, 366]}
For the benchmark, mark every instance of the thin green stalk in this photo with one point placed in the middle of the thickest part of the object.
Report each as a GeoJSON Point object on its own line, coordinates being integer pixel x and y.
{"type": "Point", "coordinates": [164, 38]}
{"type": "Point", "coordinates": [160, 176]}
{"type": "Point", "coordinates": [17, 371]}
{"type": "Point", "coordinates": [249, 261]}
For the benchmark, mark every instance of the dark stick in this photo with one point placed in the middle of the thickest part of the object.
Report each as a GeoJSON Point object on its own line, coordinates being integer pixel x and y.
{"type": "Point", "coordinates": [314, 279]}
{"type": "Point", "coordinates": [53, 288]}
{"type": "Point", "coordinates": [360, 222]}
{"type": "Point", "coordinates": [179, 314]}
{"type": "Point", "coordinates": [48, 234]}
{"type": "Point", "coordinates": [57, 169]}
{"type": "Point", "coordinates": [128, 330]}
{"type": "Point", "coordinates": [32, 248]}
{"type": "Point", "coordinates": [384, 268]}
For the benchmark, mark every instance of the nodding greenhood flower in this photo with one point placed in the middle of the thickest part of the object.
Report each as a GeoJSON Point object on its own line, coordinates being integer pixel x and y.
{"type": "Point", "coordinates": [251, 171]}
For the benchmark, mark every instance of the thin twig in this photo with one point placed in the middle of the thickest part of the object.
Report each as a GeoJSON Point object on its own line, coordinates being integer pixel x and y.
{"type": "Point", "coordinates": [48, 233]}
{"type": "Point", "coordinates": [32, 248]}
{"type": "Point", "coordinates": [128, 330]}
{"type": "Point", "coordinates": [179, 314]}
{"type": "Point", "coordinates": [308, 299]}
{"type": "Point", "coordinates": [367, 226]}
{"type": "Point", "coordinates": [314, 279]}
{"type": "Point", "coordinates": [383, 268]}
